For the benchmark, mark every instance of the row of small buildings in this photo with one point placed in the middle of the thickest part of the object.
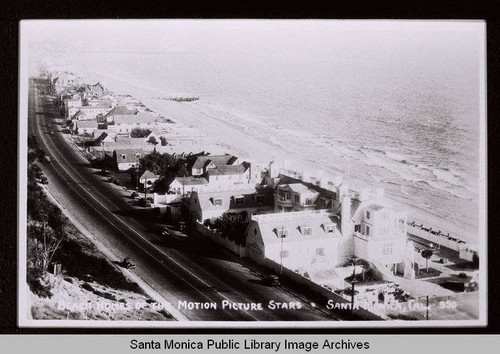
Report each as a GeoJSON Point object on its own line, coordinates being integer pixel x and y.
{"type": "Point", "coordinates": [302, 226]}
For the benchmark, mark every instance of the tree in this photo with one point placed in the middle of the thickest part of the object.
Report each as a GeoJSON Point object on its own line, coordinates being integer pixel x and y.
{"type": "Point", "coordinates": [163, 141]}
{"type": "Point", "coordinates": [47, 242]}
{"type": "Point", "coordinates": [152, 140]}
{"type": "Point", "coordinates": [139, 133]}
{"type": "Point", "coordinates": [427, 254]}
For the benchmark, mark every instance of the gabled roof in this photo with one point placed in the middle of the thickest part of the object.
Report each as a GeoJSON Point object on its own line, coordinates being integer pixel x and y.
{"type": "Point", "coordinates": [227, 170]}
{"type": "Point", "coordinates": [96, 87]}
{"type": "Point", "coordinates": [191, 181]}
{"type": "Point", "coordinates": [376, 207]}
{"type": "Point", "coordinates": [86, 124]}
{"type": "Point", "coordinates": [294, 223]}
{"type": "Point", "coordinates": [148, 175]}
{"type": "Point", "coordinates": [219, 160]}
{"type": "Point", "coordinates": [298, 188]}
{"type": "Point", "coordinates": [355, 204]}
{"type": "Point", "coordinates": [324, 193]}
{"type": "Point", "coordinates": [121, 110]}
{"type": "Point", "coordinates": [129, 155]}
{"type": "Point", "coordinates": [229, 199]}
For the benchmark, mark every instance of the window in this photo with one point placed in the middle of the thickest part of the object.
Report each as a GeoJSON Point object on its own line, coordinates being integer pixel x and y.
{"type": "Point", "coordinates": [308, 201]}
{"type": "Point", "coordinates": [367, 230]}
{"type": "Point", "coordinates": [367, 214]}
{"type": "Point", "coordinates": [282, 232]}
{"type": "Point", "coordinates": [357, 228]}
{"type": "Point", "coordinates": [307, 231]}
{"type": "Point", "coordinates": [124, 156]}
{"type": "Point", "coordinates": [288, 196]}
{"type": "Point", "coordinates": [297, 198]}
{"type": "Point", "coordinates": [238, 200]}
{"type": "Point", "coordinates": [330, 228]}
{"type": "Point", "coordinates": [218, 202]}
{"type": "Point", "coordinates": [320, 251]}
{"type": "Point", "coordinates": [284, 254]}
{"type": "Point", "coordinates": [387, 250]}
{"type": "Point", "coordinates": [259, 199]}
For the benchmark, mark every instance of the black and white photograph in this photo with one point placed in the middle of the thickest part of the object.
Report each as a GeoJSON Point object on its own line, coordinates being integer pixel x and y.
{"type": "Point", "coordinates": [252, 173]}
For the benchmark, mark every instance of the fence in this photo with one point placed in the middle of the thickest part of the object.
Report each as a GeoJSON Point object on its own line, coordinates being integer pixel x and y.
{"type": "Point", "coordinates": [438, 239]}
{"type": "Point", "coordinates": [219, 239]}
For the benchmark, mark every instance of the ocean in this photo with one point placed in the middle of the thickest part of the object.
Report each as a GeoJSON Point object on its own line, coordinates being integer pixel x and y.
{"type": "Point", "coordinates": [398, 110]}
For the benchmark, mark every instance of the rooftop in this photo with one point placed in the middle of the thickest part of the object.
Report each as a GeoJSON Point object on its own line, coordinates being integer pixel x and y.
{"type": "Point", "coordinates": [318, 224]}
{"type": "Point", "coordinates": [227, 170]}
{"type": "Point", "coordinates": [218, 160]}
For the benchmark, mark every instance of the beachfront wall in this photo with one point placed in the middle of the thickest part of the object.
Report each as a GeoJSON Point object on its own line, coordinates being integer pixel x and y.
{"type": "Point", "coordinates": [440, 240]}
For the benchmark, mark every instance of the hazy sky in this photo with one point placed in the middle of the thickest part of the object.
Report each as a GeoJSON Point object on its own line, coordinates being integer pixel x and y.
{"type": "Point", "coordinates": [260, 35]}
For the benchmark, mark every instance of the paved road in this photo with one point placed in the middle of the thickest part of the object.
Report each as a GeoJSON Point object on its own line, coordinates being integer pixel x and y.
{"type": "Point", "coordinates": [191, 271]}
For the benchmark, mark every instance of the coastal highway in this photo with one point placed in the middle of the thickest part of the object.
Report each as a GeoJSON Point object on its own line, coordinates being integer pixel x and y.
{"type": "Point", "coordinates": [184, 273]}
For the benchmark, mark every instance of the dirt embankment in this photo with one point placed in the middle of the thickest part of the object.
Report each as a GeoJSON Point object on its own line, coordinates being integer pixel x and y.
{"type": "Point", "coordinates": [91, 288]}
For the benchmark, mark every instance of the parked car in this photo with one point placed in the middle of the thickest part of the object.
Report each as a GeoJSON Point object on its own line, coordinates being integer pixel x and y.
{"type": "Point", "coordinates": [105, 172]}
{"type": "Point", "coordinates": [271, 280]}
{"type": "Point", "coordinates": [170, 231]}
{"type": "Point", "coordinates": [134, 195]}
{"type": "Point", "coordinates": [143, 202]}
{"type": "Point", "coordinates": [127, 263]}
{"type": "Point", "coordinates": [43, 180]}
{"type": "Point", "coordinates": [113, 180]}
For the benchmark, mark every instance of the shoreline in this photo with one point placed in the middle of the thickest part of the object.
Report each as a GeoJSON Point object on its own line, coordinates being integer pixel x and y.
{"type": "Point", "coordinates": [237, 140]}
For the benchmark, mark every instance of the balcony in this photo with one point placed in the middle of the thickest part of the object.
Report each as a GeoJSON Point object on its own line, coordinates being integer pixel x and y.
{"type": "Point", "coordinates": [283, 201]}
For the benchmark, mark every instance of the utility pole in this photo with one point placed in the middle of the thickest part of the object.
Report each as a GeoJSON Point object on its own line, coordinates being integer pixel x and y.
{"type": "Point", "coordinates": [427, 308]}
{"type": "Point", "coordinates": [281, 252]}
{"type": "Point", "coordinates": [354, 281]}
{"type": "Point", "coordinates": [354, 261]}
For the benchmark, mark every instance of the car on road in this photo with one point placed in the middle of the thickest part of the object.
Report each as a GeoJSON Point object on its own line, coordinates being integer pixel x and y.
{"type": "Point", "coordinates": [43, 180]}
{"type": "Point", "coordinates": [105, 172]}
{"type": "Point", "coordinates": [114, 180]}
{"type": "Point", "coordinates": [143, 202]}
{"type": "Point", "coordinates": [127, 263]}
{"type": "Point", "coordinates": [46, 159]}
{"type": "Point", "coordinates": [171, 231]}
{"type": "Point", "coordinates": [271, 280]}
{"type": "Point", "coordinates": [134, 195]}
{"type": "Point", "coordinates": [51, 132]}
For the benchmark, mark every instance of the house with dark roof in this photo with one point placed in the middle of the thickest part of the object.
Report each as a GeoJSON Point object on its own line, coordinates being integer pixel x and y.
{"type": "Point", "coordinates": [126, 159]}
{"type": "Point", "coordinates": [118, 110]}
{"type": "Point", "coordinates": [212, 204]}
{"type": "Point", "coordinates": [293, 194]}
{"type": "Point", "coordinates": [201, 164]}
{"type": "Point", "coordinates": [82, 127]}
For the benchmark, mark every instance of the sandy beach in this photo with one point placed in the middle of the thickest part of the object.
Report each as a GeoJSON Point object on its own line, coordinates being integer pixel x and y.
{"type": "Point", "coordinates": [232, 132]}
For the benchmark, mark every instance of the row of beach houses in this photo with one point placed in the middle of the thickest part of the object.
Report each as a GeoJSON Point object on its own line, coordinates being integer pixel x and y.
{"type": "Point", "coordinates": [312, 226]}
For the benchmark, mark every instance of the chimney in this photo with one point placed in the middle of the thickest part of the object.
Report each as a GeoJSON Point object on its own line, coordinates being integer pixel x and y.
{"type": "Point", "coordinates": [345, 215]}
